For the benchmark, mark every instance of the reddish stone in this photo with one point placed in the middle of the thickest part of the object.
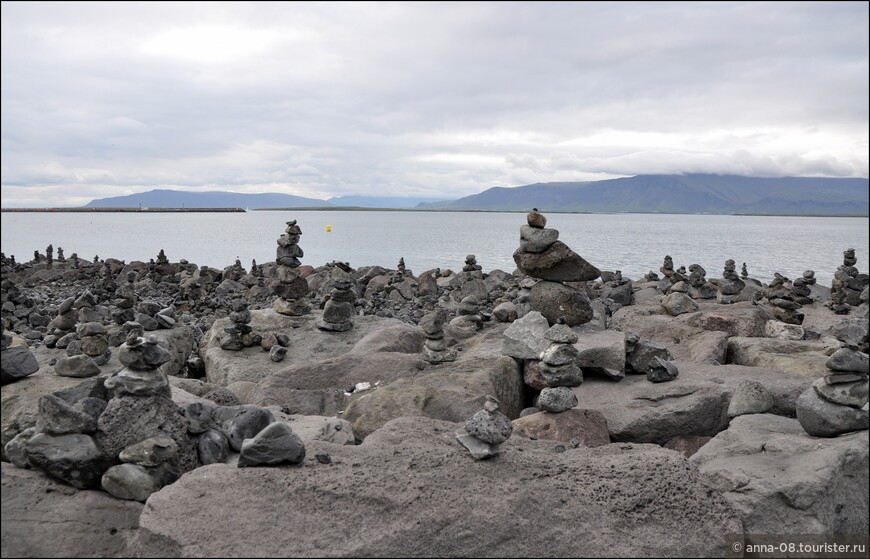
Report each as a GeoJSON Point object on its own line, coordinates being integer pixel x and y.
{"type": "Point", "coordinates": [587, 427]}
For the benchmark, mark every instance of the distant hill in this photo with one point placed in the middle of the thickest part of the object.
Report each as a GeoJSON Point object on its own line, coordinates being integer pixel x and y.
{"type": "Point", "coordinates": [380, 201]}
{"type": "Point", "coordinates": [692, 193]}
{"type": "Point", "coordinates": [184, 199]}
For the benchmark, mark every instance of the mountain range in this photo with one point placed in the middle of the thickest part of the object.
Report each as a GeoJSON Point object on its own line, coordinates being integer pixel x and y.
{"type": "Point", "coordinates": [689, 193]}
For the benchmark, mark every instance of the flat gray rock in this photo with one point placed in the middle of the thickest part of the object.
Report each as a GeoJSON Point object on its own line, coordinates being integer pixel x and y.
{"type": "Point", "coordinates": [854, 394]}
{"type": "Point", "coordinates": [46, 518]}
{"type": "Point", "coordinates": [556, 263]}
{"type": "Point", "coordinates": [377, 499]}
{"type": "Point", "coordinates": [849, 361]}
{"type": "Point", "coordinates": [783, 481]}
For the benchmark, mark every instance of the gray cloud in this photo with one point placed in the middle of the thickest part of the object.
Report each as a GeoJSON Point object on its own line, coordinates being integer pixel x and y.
{"type": "Point", "coordinates": [423, 99]}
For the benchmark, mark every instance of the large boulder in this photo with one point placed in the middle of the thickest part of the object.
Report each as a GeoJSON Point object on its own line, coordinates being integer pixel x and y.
{"type": "Point", "coordinates": [558, 301]}
{"type": "Point", "coordinates": [451, 391]}
{"type": "Point", "coordinates": [683, 341]}
{"type": "Point", "coordinates": [783, 481]}
{"type": "Point", "coordinates": [694, 404]}
{"type": "Point", "coordinates": [46, 518]}
{"type": "Point", "coordinates": [423, 495]}
{"type": "Point", "coordinates": [16, 362]}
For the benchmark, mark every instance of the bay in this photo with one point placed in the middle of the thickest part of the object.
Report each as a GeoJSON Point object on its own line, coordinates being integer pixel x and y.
{"type": "Point", "coordinates": [632, 243]}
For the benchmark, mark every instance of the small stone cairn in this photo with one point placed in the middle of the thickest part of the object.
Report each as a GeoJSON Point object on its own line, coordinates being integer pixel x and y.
{"type": "Point", "coordinates": [785, 308]}
{"type": "Point", "coordinates": [541, 255]}
{"type": "Point", "coordinates": [847, 284]}
{"type": "Point", "coordinates": [730, 285]}
{"type": "Point", "coordinates": [699, 287]}
{"type": "Point", "coordinates": [435, 347]}
{"type": "Point", "coordinates": [472, 267]}
{"type": "Point", "coordinates": [338, 310]}
{"type": "Point", "coordinates": [837, 403]}
{"type": "Point", "coordinates": [61, 259]}
{"type": "Point", "coordinates": [399, 275]}
{"type": "Point", "coordinates": [239, 334]}
{"type": "Point", "coordinates": [485, 431]}
{"type": "Point", "coordinates": [744, 273]}
{"type": "Point", "coordinates": [49, 255]}
{"type": "Point", "coordinates": [288, 286]}
{"type": "Point", "coordinates": [558, 362]}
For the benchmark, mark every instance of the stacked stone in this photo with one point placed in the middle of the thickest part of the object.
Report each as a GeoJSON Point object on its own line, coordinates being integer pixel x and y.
{"type": "Point", "coordinates": [152, 316]}
{"type": "Point", "coordinates": [469, 316]}
{"type": "Point", "coordinates": [785, 308]}
{"type": "Point", "coordinates": [847, 284]}
{"type": "Point", "coordinates": [75, 260]}
{"type": "Point", "coordinates": [730, 285]}
{"type": "Point", "coordinates": [485, 431]}
{"type": "Point", "coordinates": [699, 287]}
{"type": "Point", "coordinates": [63, 324]}
{"type": "Point", "coordinates": [651, 276]}
{"type": "Point", "coordinates": [744, 273]}
{"type": "Point", "coordinates": [94, 341]}
{"type": "Point", "coordinates": [60, 257]}
{"type": "Point", "coordinates": [558, 362]}
{"type": "Point", "coordinates": [256, 271]}
{"type": "Point", "coordinates": [141, 425]}
{"type": "Point", "coordinates": [235, 272]}
{"type": "Point", "coordinates": [800, 290]}
{"type": "Point", "coordinates": [239, 334]}
{"type": "Point", "coordinates": [399, 275]}
{"type": "Point", "coordinates": [435, 347]}
{"type": "Point", "coordinates": [36, 257]}
{"type": "Point", "coordinates": [542, 256]}
{"type": "Point", "coordinates": [618, 289]}
{"type": "Point", "coordinates": [667, 267]}
{"type": "Point", "coordinates": [471, 264]}
{"type": "Point", "coordinates": [125, 300]}
{"type": "Point", "coordinates": [837, 403]}
{"type": "Point", "coordinates": [161, 257]}
{"type": "Point", "coordinates": [289, 287]}
{"type": "Point", "coordinates": [338, 310]}
{"type": "Point", "coordinates": [49, 255]}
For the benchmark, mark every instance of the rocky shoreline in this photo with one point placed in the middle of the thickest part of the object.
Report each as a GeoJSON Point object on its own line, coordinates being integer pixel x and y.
{"type": "Point", "coordinates": [167, 409]}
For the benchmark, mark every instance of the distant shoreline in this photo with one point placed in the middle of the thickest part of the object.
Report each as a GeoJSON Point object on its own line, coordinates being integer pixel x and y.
{"type": "Point", "coordinates": [363, 209]}
{"type": "Point", "coordinates": [122, 210]}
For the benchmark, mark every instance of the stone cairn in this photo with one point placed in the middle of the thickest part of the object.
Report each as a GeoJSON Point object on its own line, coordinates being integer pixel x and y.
{"type": "Point", "coordinates": [558, 362]}
{"type": "Point", "coordinates": [338, 310]}
{"type": "Point", "coordinates": [847, 284]}
{"type": "Point", "coordinates": [125, 300]}
{"type": "Point", "coordinates": [837, 403]}
{"type": "Point", "coordinates": [61, 259]}
{"type": "Point", "coordinates": [155, 448]}
{"type": "Point", "coordinates": [471, 265]}
{"type": "Point", "coordinates": [541, 255]}
{"type": "Point", "coordinates": [288, 286]}
{"type": "Point", "coordinates": [485, 431]}
{"type": "Point", "coordinates": [785, 308]}
{"type": "Point", "coordinates": [730, 285]}
{"type": "Point", "coordinates": [239, 334]}
{"type": "Point", "coordinates": [236, 271]}
{"type": "Point", "coordinates": [699, 287]}
{"type": "Point", "coordinates": [49, 255]}
{"type": "Point", "coordinates": [399, 275]}
{"type": "Point", "coordinates": [435, 347]}
{"type": "Point", "coordinates": [744, 273]}
{"type": "Point", "coordinates": [75, 260]}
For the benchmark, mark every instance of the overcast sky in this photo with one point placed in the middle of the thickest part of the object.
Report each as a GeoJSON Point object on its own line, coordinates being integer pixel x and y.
{"type": "Point", "coordinates": [435, 100]}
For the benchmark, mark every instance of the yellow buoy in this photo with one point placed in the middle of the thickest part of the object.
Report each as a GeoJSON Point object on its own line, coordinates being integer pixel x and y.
{"type": "Point", "coordinates": [329, 228]}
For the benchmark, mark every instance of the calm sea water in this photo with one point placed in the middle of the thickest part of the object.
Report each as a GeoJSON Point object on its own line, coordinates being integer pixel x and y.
{"type": "Point", "coordinates": [633, 243]}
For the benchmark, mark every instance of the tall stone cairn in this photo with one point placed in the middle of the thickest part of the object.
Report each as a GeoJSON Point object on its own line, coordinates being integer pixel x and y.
{"type": "Point", "coordinates": [338, 310]}
{"type": "Point", "coordinates": [730, 285]}
{"type": "Point", "coordinates": [435, 348]}
{"type": "Point", "coordinates": [847, 284]}
{"type": "Point", "coordinates": [291, 289]}
{"type": "Point", "coordinates": [542, 256]}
